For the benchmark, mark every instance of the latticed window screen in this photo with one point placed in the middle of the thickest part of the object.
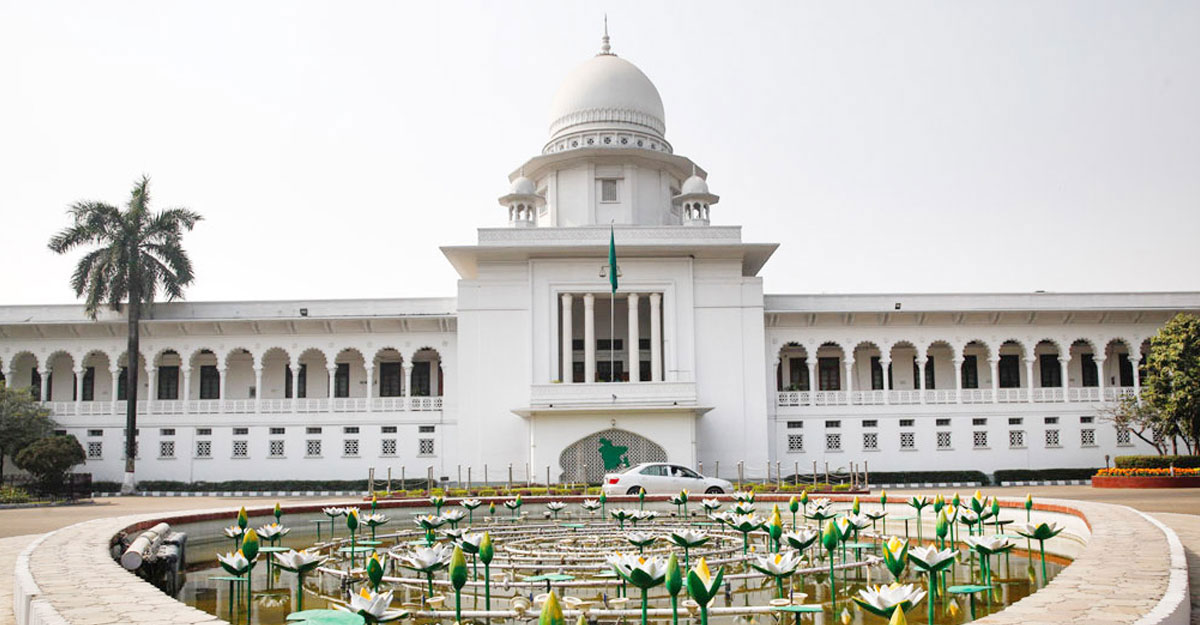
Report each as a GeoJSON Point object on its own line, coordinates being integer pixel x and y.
{"type": "Point", "coordinates": [203, 449]}
{"type": "Point", "coordinates": [795, 443]}
{"type": "Point", "coordinates": [908, 440]}
{"type": "Point", "coordinates": [588, 459]}
{"type": "Point", "coordinates": [1052, 438]}
{"type": "Point", "coordinates": [276, 449]}
{"type": "Point", "coordinates": [870, 440]}
{"type": "Point", "coordinates": [1123, 437]}
{"type": "Point", "coordinates": [943, 440]}
{"type": "Point", "coordinates": [95, 450]}
{"type": "Point", "coordinates": [1087, 438]}
{"type": "Point", "coordinates": [387, 447]}
{"type": "Point", "coordinates": [166, 449]}
{"type": "Point", "coordinates": [350, 447]}
{"type": "Point", "coordinates": [1016, 439]}
{"type": "Point", "coordinates": [312, 448]}
{"type": "Point", "coordinates": [240, 449]}
{"type": "Point", "coordinates": [833, 442]}
{"type": "Point", "coordinates": [979, 438]}
{"type": "Point", "coordinates": [425, 447]}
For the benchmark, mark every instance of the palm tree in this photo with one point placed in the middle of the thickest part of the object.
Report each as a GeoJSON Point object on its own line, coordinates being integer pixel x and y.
{"type": "Point", "coordinates": [135, 253]}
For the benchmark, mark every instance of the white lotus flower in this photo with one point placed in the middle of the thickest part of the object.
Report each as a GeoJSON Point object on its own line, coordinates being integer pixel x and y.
{"type": "Point", "coordinates": [555, 506]}
{"type": "Point", "coordinates": [930, 559]}
{"type": "Point", "coordinates": [688, 538]}
{"type": "Point", "coordinates": [640, 539]}
{"type": "Point", "coordinates": [641, 571]}
{"type": "Point", "coordinates": [454, 516]}
{"type": "Point", "coordinates": [801, 538]}
{"type": "Point", "coordinates": [300, 561]}
{"type": "Point", "coordinates": [334, 511]}
{"type": "Point", "coordinates": [234, 563]}
{"type": "Point", "coordinates": [470, 542]}
{"type": "Point", "coordinates": [858, 521]}
{"type": "Point", "coordinates": [645, 515]}
{"type": "Point", "coordinates": [967, 516]}
{"type": "Point", "coordinates": [374, 519]}
{"type": "Point", "coordinates": [743, 507]}
{"type": "Point", "coordinates": [373, 606]}
{"type": "Point", "coordinates": [470, 504]}
{"type": "Point", "coordinates": [426, 559]}
{"type": "Point", "coordinates": [429, 521]}
{"type": "Point", "coordinates": [883, 599]}
{"type": "Point", "coordinates": [777, 564]}
{"type": "Point", "coordinates": [711, 504]}
{"type": "Point", "coordinates": [233, 531]}
{"type": "Point", "coordinates": [819, 502]}
{"type": "Point", "coordinates": [590, 505]}
{"type": "Point", "coordinates": [744, 495]}
{"type": "Point", "coordinates": [455, 534]}
{"type": "Point", "coordinates": [989, 544]}
{"type": "Point", "coordinates": [272, 531]}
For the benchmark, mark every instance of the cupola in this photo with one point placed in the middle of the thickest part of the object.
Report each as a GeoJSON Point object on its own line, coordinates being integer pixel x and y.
{"type": "Point", "coordinates": [694, 200]}
{"type": "Point", "coordinates": [522, 202]}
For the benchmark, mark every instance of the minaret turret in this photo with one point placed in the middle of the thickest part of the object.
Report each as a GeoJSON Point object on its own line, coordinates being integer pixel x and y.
{"type": "Point", "coordinates": [522, 202]}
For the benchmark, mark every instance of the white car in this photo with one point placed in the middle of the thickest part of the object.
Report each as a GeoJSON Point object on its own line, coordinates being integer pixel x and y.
{"type": "Point", "coordinates": [662, 478]}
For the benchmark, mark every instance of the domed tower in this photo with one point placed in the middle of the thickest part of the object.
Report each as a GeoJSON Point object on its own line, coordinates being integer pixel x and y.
{"type": "Point", "coordinates": [522, 202]}
{"type": "Point", "coordinates": [694, 200]}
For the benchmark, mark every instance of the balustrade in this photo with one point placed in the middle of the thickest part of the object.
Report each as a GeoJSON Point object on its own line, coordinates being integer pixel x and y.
{"type": "Point", "coordinates": [173, 407]}
{"type": "Point", "coordinates": [1089, 394]}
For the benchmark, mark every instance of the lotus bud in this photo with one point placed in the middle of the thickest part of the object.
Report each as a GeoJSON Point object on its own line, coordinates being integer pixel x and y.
{"type": "Point", "coordinates": [250, 544]}
{"type": "Point", "coordinates": [486, 549]}
{"type": "Point", "coordinates": [952, 610]}
{"type": "Point", "coordinates": [674, 578]}
{"type": "Point", "coordinates": [957, 500]}
{"type": "Point", "coordinates": [995, 506]}
{"type": "Point", "coordinates": [855, 508]}
{"type": "Point", "coordinates": [943, 524]}
{"type": "Point", "coordinates": [883, 497]}
{"type": "Point", "coordinates": [552, 613]}
{"type": "Point", "coordinates": [352, 519]}
{"type": "Point", "coordinates": [242, 518]}
{"type": "Point", "coordinates": [1028, 501]}
{"type": "Point", "coordinates": [939, 502]}
{"type": "Point", "coordinates": [804, 497]}
{"type": "Point", "coordinates": [830, 536]}
{"type": "Point", "coordinates": [898, 618]}
{"type": "Point", "coordinates": [793, 505]}
{"type": "Point", "coordinates": [603, 497]}
{"type": "Point", "coordinates": [374, 502]}
{"type": "Point", "coordinates": [642, 495]}
{"type": "Point", "coordinates": [374, 570]}
{"type": "Point", "coordinates": [458, 569]}
{"type": "Point", "coordinates": [278, 512]}
{"type": "Point", "coordinates": [492, 508]}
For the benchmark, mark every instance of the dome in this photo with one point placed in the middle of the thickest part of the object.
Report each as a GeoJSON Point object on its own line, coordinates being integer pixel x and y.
{"type": "Point", "coordinates": [694, 185]}
{"type": "Point", "coordinates": [607, 92]}
{"type": "Point", "coordinates": [523, 186]}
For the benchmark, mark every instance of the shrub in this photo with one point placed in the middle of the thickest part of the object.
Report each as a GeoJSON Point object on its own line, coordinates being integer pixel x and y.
{"type": "Point", "coordinates": [840, 487]}
{"type": "Point", "coordinates": [12, 494]}
{"type": "Point", "coordinates": [935, 477]}
{"type": "Point", "coordinates": [1156, 462]}
{"type": "Point", "coordinates": [1033, 475]}
{"type": "Point", "coordinates": [50, 458]}
{"type": "Point", "coordinates": [1177, 472]}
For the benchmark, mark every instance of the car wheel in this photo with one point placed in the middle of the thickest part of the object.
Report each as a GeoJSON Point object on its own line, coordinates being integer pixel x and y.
{"type": "Point", "coordinates": [635, 490]}
{"type": "Point", "coordinates": [714, 490]}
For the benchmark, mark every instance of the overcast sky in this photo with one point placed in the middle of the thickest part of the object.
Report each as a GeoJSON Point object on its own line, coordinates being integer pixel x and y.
{"type": "Point", "coordinates": [332, 147]}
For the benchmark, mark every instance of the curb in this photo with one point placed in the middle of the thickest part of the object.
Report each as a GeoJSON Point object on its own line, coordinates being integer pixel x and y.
{"type": "Point", "coordinates": [1049, 483]}
{"type": "Point", "coordinates": [257, 493]}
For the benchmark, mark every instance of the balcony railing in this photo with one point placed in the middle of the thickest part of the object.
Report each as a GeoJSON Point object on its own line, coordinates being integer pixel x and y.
{"type": "Point", "coordinates": [610, 394]}
{"type": "Point", "coordinates": [1088, 394]}
{"type": "Point", "coordinates": [248, 406]}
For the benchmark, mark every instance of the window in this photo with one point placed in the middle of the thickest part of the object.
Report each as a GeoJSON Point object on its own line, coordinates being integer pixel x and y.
{"type": "Point", "coordinates": [168, 382]}
{"type": "Point", "coordinates": [203, 431]}
{"type": "Point", "coordinates": [122, 381]}
{"type": "Point", "coordinates": [877, 373]}
{"type": "Point", "coordinates": [425, 447]}
{"type": "Point", "coordinates": [644, 371]}
{"type": "Point", "coordinates": [311, 430]}
{"type": "Point", "coordinates": [387, 447]}
{"type": "Point", "coordinates": [604, 345]}
{"type": "Point", "coordinates": [930, 373]}
{"type": "Point", "coordinates": [35, 384]}
{"type": "Point", "coordinates": [277, 431]}
{"type": "Point", "coordinates": [166, 449]}
{"type": "Point", "coordinates": [979, 439]}
{"type": "Point", "coordinates": [166, 432]}
{"type": "Point", "coordinates": [1087, 366]}
{"type": "Point", "coordinates": [350, 447]}
{"type": "Point", "coordinates": [425, 429]}
{"type": "Point", "coordinates": [390, 376]}
{"type": "Point", "coordinates": [833, 424]}
{"type": "Point", "coordinates": [908, 440]}
{"type": "Point", "coordinates": [655, 470]}
{"type": "Point", "coordinates": [1086, 419]}
{"type": "Point", "coordinates": [95, 450]}
{"type": "Point", "coordinates": [341, 380]}
{"type": "Point", "coordinates": [1052, 438]}
{"type": "Point", "coordinates": [241, 431]}
{"type": "Point", "coordinates": [1125, 367]}
{"type": "Point", "coordinates": [795, 443]}
{"type": "Point", "coordinates": [89, 383]}
{"type": "Point", "coordinates": [388, 429]}
{"type": "Point", "coordinates": [420, 379]}
{"type": "Point", "coordinates": [608, 190]}
{"type": "Point", "coordinates": [970, 371]}
{"type": "Point", "coordinates": [870, 441]}
{"type": "Point", "coordinates": [604, 367]}
{"type": "Point", "coordinates": [204, 449]}
{"type": "Point", "coordinates": [275, 449]}
{"type": "Point", "coordinates": [577, 345]}
{"type": "Point", "coordinates": [351, 429]}
{"type": "Point", "coordinates": [979, 421]}
{"type": "Point", "coordinates": [1016, 439]}
{"type": "Point", "coordinates": [795, 425]}
{"type": "Point", "coordinates": [829, 374]}
{"type": "Point", "coordinates": [241, 449]}
{"type": "Point", "coordinates": [1123, 438]}
{"type": "Point", "coordinates": [1015, 420]}
{"type": "Point", "coordinates": [301, 384]}
{"type": "Point", "coordinates": [210, 382]}
{"type": "Point", "coordinates": [943, 423]}
{"type": "Point", "coordinates": [1051, 370]}
{"type": "Point", "coordinates": [1087, 438]}
{"type": "Point", "coordinates": [906, 423]}
{"type": "Point", "coordinates": [797, 375]}
{"type": "Point", "coordinates": [1009, 371]}
{"type": "Point", "coordinates": [312, 449]}
{"type": "Point", "coordinates": [870, 423]}
{"type": "Point", "coordinates": [1051, 420]}
{"type": "Point", "coordinates": [644, 344]}
{"type": "Point", "coordinates": [95, 432]}
{"type": "Point", "coordinates": [833, 442]}
{"type": "Point", "coordinates": [943, 440]}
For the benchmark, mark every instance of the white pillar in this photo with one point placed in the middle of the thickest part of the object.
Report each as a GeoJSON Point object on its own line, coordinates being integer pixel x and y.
{"type": "Point", "coordinates": [812, 380]}
{"type": "Point", "coordinates": [635, 364]}
{"type": "Point", "coordinates": [568, 335]}
{"type": "Point", "coordinates": [589, 338]}
{"type": "Point", "coordinates": [1029, 377]}
{"type": "Point", "coordinates": [221, 377]}
{"type": "Point", "coordinates": [44, 391]}
{"type": "Point", "coordinates": [332, 376]}
{"type": "Point", "coordinates": [958, 364]}
{"type": "Point", "coordinates": [1135, 360]}
{"type": "Point", "coordinates": [187, 387]}
{"type": "Point", "coordinates": [849, 385]}
{"type": "Point", "coordinates": [258, 389]}
{"type": "Point", "coordinates": [656, 364]}
{"type": "Point", "coordinates": [1064, 364]}
{"type": "Point", "coordinates": [79, 384]}
{"type": "Point", "coordinates": [1099, 362]}
{"type": "Point", "coordinates": [116, 379]}
{"type": "Point", "coordinates": [370, 382]}
{"type": "Point", "coordinates": [295, 381]}
{"type": "Point", "coordinates": [920, 382]}
{"type": "Point", "coordinates": [995, 365]}
{"type": "Point", "coordinates": [884, 365]}
{"type": "Point", "coordinates": [151, 387]}
{"type": "Point", "coordinates": [407, 382]}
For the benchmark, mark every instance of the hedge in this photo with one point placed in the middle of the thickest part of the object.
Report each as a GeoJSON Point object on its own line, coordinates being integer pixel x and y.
{"type": "Point", "coordinates": [934, 477]}
{"type": "Point", "coordinates": [1037, 475]}
{"type": "Point", "coordinates": [1157, 462]}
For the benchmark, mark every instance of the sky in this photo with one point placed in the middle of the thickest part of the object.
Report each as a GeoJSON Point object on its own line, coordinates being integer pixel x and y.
{"type": "Point", "coordinates": [332, 147]}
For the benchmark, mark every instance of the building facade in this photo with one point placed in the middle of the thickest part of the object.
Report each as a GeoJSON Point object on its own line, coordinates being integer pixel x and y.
{"type": "Point", "coordinates": [687, 361]}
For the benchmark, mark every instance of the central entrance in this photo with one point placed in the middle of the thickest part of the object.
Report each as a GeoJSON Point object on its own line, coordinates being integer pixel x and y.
{"type": "Point", "coordinates": [606, 451]}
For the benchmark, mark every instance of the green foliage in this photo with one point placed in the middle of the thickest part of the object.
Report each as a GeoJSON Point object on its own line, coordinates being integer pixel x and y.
{"type": "Point", "coordinates": [50, 458]}
{"type": "Point", "coordinates": [1156, 462]}
{"type": "Point", "coordinates": [23, 420]}
{"type": "Point", "coordinates": [1032, 475]}
{"type": "Point", "coordinates": [1140, 419]}
{"type": "Point", "coordinates": [12, 494]}
{"type": "Point", "coordinates": [1172, 385]}
{"type": "Point", "coordinates": [935, 477]}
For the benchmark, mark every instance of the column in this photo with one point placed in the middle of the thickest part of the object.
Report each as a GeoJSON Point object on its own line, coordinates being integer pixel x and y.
{"type": "Point", "coordinates": [568, 335]}
{"type": "Point", "coordinates": [812, 379]}
{"type": "Point", "coordinates": [589, 338]}
{"type": "Point", "coordinates": [1100, 373]}
{"type": "Point", "coordinates": [258, 389]}
{"type": "Point", "coordinates": [920, 382]}
{"type": "Point", "coordinates": [1029, 378]}
{"type": "Point", "coordinates": [332, 369]}
{"type": "Point", "coordinates": [1064, 364]}
{"type": "Point", "coordinates": [995, 366]}
{"type": "Point", "coordinates": [370, 384]}
{"type": "Point", "coordinates": [406, 383]}
{"type": "Point", "coordinates": [222, 378]}
{"type": "Point", "coordinates": [656, 364]}
{"type": "Point", "coordinates": [958, 363]}
{"type": "Point", "coordinates": [44, 391]}
{"type": "Point", "coordinates": [849, 385]}
{"type": "Point", "coordinates": [1135, 360]}
{"type": "Point", "coordinates": [151, 387]}
{"type": "Point", "coordinates": [635, 360]}
{"type": "Point", "coordinates": [295, 381]}
{"type": "Point", "coordinates": [116, 379]}
{"type": "Point", "coordinates": [885, 366]}
{"type": "Point", "coordinates": [79, 386]}
{"type": "Point", "coordinates": [187, 387]}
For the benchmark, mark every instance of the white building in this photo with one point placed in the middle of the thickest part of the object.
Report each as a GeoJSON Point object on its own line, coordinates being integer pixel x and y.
{"type": "Point", "coordinates": [516, 369]}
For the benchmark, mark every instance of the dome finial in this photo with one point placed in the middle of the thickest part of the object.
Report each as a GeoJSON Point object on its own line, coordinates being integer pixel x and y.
{"type": "Point", "coordinates": [604, 47]}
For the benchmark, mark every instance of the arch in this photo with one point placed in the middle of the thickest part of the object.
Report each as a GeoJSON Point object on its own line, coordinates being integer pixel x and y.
{"type": "Point", "coordinates": [1109, 344]}
{"type": "Point", "coordinates": [97, 352]}
{"type": "Point", "coordinates": [797, 357]}
{"type": "Point", "coordinates": [52, 356]}
{"type": "Point", "coordinates": [988, 352]}
{"type": "Point", "coordinates": [12, 362]}
{"type": "Point", "coordinates": [274, 350]}
{"type": "Point", "coordinates": [202, 353]}
{"type": "Point", "coordinates": [426, 379]}
{"type": "Point", "coordinates": [1055, 342]}
{"type": "Point", "coordinates": [1089, 342]}
{"type": "Point", "coordinates": [391, 352]}
{"type": "Point", "coordinates": [238, 351]}
{"type": "Point", "coordinates": [606, 451]}
{"type": "Point", "coordinates": [1018, 344]}
{"type": "Point", "coordinates": [869, 343]}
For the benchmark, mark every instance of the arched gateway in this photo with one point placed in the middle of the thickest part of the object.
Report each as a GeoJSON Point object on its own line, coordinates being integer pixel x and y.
{"type": "Point", "coordinates": [589, 458]}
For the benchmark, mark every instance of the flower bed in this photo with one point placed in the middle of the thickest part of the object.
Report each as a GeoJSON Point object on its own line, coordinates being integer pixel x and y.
{"type": "Point", "coordinates": [1146, 478]}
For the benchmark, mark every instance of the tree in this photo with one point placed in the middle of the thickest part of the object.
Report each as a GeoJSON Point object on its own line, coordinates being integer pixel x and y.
{"type": "Point", "coordinates": [1144, 422]}
{"type": "Point", "coordinates": [23, 420]}
{"type": "Point", "coordinates": [50, 458]}
{"type": "Point", "coordinates": [1172, 385]}
{"type": "Point", "coordinates": [135, 253]}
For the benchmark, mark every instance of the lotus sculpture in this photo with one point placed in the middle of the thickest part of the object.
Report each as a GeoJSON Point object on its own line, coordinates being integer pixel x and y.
{"type": "Point", "coordinates": [895, 556]}
{"type": "Point", "coordinates": [919, 503]}
{"type": "Point", "coordinates": [778, 566]}
{"type": "Point", "coordinates": [426, 560]}
{"type": "Point", "coordinates": [644, 573]}
{"type": "Point", "coordinates": [591, 505]}
{"type": "Point", "coordinates": [704, 586]}
{"type": "Point", "coordinates": [514, 504]}
{"type": "Point", "coordinates": [931, 561]}
{"type": "Point", "coordinates": [987, 546]}
{"type": "Point", "coordinates": [745, 523]}
{"type": "Point", "coordinates": [437, 501]}
{"type": "Point", "coordinates": [555, 507]}
{"type": "Point", "coordinates": [1040, 532]}
{"type": "Point", "coordinates": [688, 539]}
{"type": "Point", "coordinates": [884, 600]}
{"type": "Point", "coordinates": [374, 520]}
{"type": "Point", "coordinates": [373, 607]}
{"type": "Point", "coordinates": [470, 505]}
{"type": "Point", "coordinates": [710, 505]}
{"type": "Point", "coordinates": [300, 563]}
{"type": "Point", "coordinates": [641, 540]}
{"type": "Point", "coordinates": [680, 499]}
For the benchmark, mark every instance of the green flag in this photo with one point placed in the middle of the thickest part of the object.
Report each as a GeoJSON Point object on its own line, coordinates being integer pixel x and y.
{"type": "Point", "coordinates": [612, 259]}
